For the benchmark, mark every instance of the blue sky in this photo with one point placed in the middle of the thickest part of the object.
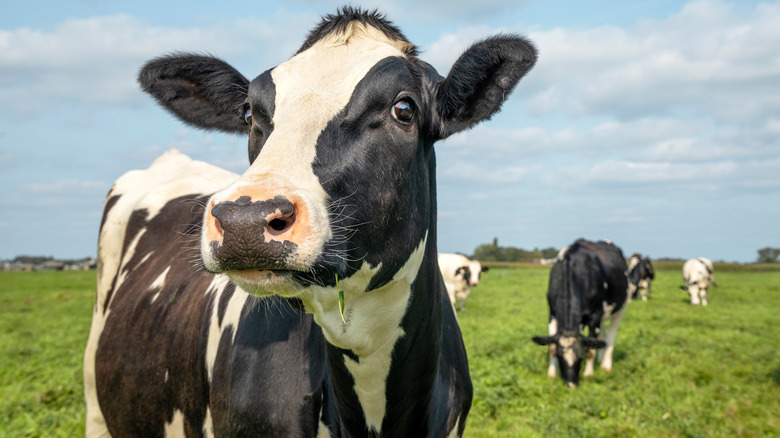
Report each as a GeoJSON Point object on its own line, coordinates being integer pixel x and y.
{"type": "Point", "coordinates": [653, 123]}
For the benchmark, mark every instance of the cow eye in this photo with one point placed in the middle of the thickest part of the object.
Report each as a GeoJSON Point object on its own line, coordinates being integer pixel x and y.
{"type": "Point", "coordinates": [248, 115]}
{"type": "Point", "coordinates": [404, 111]}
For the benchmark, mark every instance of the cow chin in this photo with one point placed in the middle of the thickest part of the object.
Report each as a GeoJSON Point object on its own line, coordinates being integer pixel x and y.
{"type": "Point", "coordinates": [267, 282]}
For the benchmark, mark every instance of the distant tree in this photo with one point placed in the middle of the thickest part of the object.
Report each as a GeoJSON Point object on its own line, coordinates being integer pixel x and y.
{"type": "Point", "coordinates": [768, 255]}
{"type": "Point", "coordinates": [549, 253]}
{"type": "Point", "coordinates": [493, 253]}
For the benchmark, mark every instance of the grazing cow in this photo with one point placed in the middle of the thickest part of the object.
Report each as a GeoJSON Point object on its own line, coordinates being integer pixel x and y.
{"type": "Point", "coordinates": [640, 276]}
{"type": "Point", "coordinates": [587, 287]}
{"type": "Point", "coordinates": [459, 274]}
{"type": "Point", "coordinates": [302, 298]}
{"type": "Point", "coordinates": [697, 274]}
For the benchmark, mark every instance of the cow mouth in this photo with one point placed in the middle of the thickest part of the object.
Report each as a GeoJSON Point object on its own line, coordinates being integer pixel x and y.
{"type": "Point", "coordinates": [266, 282]}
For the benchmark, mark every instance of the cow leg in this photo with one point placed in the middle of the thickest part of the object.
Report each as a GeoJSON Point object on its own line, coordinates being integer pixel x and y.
{"type": "Point", "coordinates": [589, 359]}
{"type": "Point", "coordinates": [590, 356]}
{"type": "Point", "coordinates": [703, 296]}
{"type": "Point", "coordinates": [552, 329]}
{"type": "Point", "coordinates": [605, 355]}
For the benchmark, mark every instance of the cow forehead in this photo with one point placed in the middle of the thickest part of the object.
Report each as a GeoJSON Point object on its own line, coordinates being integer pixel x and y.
{"type": "Point", "coordinates": [311, 89]}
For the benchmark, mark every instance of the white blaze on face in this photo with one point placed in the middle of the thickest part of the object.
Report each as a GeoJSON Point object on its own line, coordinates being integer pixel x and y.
{"type": "Point", "coordinates": [311, 89]}
{"type": "Point", "coordinates": [567, 344]}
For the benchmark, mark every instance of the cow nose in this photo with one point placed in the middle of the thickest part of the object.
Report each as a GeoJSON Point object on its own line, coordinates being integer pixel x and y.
{"type": "Point", "coordinates": [243, 217]}
{"type": "Point", "coordinates": [253, 235]}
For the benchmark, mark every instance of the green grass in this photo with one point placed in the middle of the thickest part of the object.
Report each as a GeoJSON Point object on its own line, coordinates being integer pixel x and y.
{"type": "Point", "coordinates": [679, 371]}
{"type": "Point", "coordinates": [44, 323]}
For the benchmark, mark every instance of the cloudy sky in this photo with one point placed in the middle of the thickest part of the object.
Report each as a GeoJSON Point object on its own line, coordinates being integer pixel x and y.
{"type": "Point", "coordinates": [653, 123]}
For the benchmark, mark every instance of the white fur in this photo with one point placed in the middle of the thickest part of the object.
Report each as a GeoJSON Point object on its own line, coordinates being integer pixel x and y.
{"type": "Point", "coordinates": [175, 428]}
{"type": "Point", "coordinates": [230, 319]}
{"type": "Point", "coordinates": [697, 274]}
{"type": "Point", "coordinates": [458, 289]}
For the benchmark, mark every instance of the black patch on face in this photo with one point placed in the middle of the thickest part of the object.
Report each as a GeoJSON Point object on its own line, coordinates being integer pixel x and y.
{"type": "Point", "coordinates": [261, 101]}
{"type": "Point", "coordinates": [378, 172]}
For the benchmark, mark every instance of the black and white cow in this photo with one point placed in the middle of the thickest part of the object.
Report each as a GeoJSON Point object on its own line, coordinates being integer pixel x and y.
{"type": "Point", "coordinates": [697, 275]}
{"type": "Point", "coordinates": [219, 305]}
{"type": "Point", "coordinates": [587, 288]}
{"type": "Point", "coordinates": [460, 275]}
{"type": "Point", "coordinates": [640, 276]}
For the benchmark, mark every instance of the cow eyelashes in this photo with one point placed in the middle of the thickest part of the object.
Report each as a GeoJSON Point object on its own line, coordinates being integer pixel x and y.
{"type": "Point", "coordinates": [404, 110]}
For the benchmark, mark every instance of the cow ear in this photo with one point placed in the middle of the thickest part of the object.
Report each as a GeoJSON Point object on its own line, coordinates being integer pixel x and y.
{"type": "Point", "coordinates": [480, 81]}
{"type": "Point", "coordinates": [593, 343]}
{"type": "Point", "coordinates": [201, 91]}
{"type": "Point", "coordinates": [485, 269]}
{"type": "Point", "coordinates": [544, 340]}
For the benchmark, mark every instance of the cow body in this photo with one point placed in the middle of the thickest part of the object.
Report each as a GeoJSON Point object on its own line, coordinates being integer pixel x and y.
{"type": "Point", "coordinates": [303, 297]}
{"type": "Point", "coordinates": [640, 276]}
{"type": "Point", "coordinates": [587, 288]}
{"type": "Point", "coordinates": [697, 275]}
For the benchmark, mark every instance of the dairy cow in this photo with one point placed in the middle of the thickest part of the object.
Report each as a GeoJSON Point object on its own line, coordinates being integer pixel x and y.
{"type": "Point", "coordinates": [459, 274]}
{"type": "Point", "coordinates": [697, 275]}
{"type": "Point", "coordinates": [303, 297]}
{"type": "Point", "coordinates": [587, 288]}
{"type": "Point", "coordinates": [476, 269]}
{"type": "Point", "coordinates": [640, 276]}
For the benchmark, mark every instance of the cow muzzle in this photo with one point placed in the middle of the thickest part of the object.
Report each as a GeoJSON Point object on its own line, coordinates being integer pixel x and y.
{"type": "Point", "coordinates": [256, 232]}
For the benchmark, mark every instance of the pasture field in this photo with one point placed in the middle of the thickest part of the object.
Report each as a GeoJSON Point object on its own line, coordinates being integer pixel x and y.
{"type": "Point", "coordinates": [679, 371]}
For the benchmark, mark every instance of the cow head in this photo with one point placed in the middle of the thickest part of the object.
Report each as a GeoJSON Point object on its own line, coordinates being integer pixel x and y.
{"type": "Point", "coordinates": [476, 269]}
{"type": "Point", "coordinates": [464, 274]}
{"type": "Point", "coordinates": [570, 348]}
{"type": "Point", "coordinates": [341, 177]}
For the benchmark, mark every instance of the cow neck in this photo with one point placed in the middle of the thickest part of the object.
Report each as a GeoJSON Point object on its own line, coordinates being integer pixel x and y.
{"type": "Point", "coordinates": [569, 300]}
{"type": "Point", "coordinates": [382, 358]}
{"type": "Point", "coordinates": [389, 391]}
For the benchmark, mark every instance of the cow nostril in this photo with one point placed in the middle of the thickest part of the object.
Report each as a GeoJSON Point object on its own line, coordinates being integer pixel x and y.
{"type": "Point", "coordinates": [279, 225]}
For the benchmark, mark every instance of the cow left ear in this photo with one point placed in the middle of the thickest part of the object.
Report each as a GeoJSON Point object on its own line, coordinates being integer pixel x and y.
{"type": "Point", "coordinates": [480, 81]}
{"type": "Point", "coordinates": [201, 91]}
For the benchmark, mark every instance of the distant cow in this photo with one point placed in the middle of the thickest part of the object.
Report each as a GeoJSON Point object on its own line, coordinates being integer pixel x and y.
{"type": "Point", "coordinates": [640, 276]}
{"type": "Point", "coordinates": [587, 287]}
{"type": "Point", "coordinates": [697, 275]}
{"type": "Point", "coordinates": [302, 298]}
{"type": "Point", "coordinates": [459, 274]}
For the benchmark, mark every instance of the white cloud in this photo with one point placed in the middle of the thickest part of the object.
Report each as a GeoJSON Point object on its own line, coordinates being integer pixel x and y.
{"type": "Point", "coordinates": [712, 58]}
{"type": "Point", "coordinates": [96, 59]}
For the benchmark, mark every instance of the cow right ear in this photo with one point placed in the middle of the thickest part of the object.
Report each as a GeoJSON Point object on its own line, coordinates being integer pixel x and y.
{"type": "Point", "coordinates": [201, 91]}
{"type": "Point", "coordinates": [544, 340]}
{"type": "Point", "coordinates": [480, 81]}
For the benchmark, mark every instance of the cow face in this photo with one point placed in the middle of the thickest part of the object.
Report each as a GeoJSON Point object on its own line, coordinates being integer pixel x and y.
{"type": "Point", "coordinates": [569, 348]}
{"type": "Point", "coordinates": [340, 143]}
{"type": "Point", "coordinates": [476, 269]}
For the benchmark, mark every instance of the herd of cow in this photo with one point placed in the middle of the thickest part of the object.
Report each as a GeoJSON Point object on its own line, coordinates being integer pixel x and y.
{"type": "Point", "coordinates": [589, 285]}
{"type": "Point", "coordinates": [305, 297]}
